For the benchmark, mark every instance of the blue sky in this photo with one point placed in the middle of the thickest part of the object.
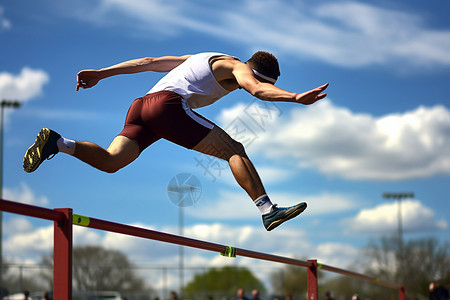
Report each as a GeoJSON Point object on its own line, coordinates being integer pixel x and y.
{"type": "Point", "coordinates": [384, 127]}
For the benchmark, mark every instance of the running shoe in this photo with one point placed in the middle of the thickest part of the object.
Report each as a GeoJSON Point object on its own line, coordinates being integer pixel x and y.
{"type": "Point", "coordinates": [279, 215]}
{"type": "Point", "coordinates": [44, 147]}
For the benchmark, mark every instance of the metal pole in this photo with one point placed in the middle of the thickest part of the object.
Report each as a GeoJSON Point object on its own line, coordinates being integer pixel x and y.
{"type": "Point", "coordinates": [399, 197]}
{"type": "Point", "coordinates": [181, 249]}
{"type": "Point", "coordinates": [11, 104]}
{"type": "Point", "coordinates": [400, 230]}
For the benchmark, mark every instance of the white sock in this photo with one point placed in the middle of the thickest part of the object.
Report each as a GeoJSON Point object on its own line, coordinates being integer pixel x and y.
{"type": "Point", "coordinates": [264, 204]}
{"type": "Point", "coordinates": [66, 145]}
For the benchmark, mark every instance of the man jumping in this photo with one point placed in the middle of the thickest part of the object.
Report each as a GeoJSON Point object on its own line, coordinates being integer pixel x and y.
{"type": "Point", "coordinates": [166, 111]}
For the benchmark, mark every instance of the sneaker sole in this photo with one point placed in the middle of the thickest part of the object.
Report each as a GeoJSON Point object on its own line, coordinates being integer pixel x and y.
{"type": "Point", "coordinates": [33, 156]}
{"type": "Point", "coordinates": [277, 223]}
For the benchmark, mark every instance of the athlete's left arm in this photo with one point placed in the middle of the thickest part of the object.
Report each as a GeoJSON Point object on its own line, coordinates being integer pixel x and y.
{"type": "Point", "coordinates": [268, 92]}
{"type": "Point", "coordinates": [89, 78]}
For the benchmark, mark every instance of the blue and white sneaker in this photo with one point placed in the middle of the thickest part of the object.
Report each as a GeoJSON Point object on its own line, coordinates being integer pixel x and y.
{"type": "Point", "coordinates": [44, 146]}
{"type": "Point", "coordinates": [279, 215]}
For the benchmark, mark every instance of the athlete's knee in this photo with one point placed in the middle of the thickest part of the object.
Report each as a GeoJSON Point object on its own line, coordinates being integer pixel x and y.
{"type": "Point", "coordinates": [236, 148]}
{"type": "Point", "coordinates": [110, 168]}
{"type": "Point", "coordinates": [219, 144]}
{"type": "Point", "coordinates": [112, 165]}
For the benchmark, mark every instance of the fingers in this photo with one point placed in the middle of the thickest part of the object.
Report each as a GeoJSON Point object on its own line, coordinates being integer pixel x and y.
{"type": "Point", "coordinates": [323, 87]}
{"type": "Point", "coordinates": [81, 84]}
{"type": "Point", "coordinates": [321, 96]}
{"type": "Point", "coordinates": [82, 77]}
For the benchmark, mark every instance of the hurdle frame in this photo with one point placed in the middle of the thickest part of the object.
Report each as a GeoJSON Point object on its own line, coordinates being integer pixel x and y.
{"type": "Point", "coordinates": [64, 219]}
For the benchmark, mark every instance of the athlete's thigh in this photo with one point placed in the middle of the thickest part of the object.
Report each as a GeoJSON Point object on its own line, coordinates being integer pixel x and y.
{"type": "Point", "coordinates": [169, 117]}
{"type": "Point", "coordinates": [219, 144]}
{"type": "Point", "coordinates": [123, 150]}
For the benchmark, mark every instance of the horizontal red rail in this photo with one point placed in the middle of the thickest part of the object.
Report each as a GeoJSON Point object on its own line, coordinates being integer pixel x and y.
{"type": "Point", "coordinates": [54, 215]}
{"type": "Point", "coordinates": [31, 211]}
{"type": "Point", "coordinates": [184, 241]}
{"type": "Point", "coordinates": [357, 275]}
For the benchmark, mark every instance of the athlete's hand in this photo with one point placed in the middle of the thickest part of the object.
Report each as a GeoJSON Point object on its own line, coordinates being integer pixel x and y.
{"type": "Point", "coordinates": [87, 79]}
{"type": "Point", "coordinates": [312, 96]}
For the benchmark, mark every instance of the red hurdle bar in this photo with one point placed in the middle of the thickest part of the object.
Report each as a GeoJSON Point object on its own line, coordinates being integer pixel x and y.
{"type": "Point", "coordinates": [31, 211]}
{"type": "Point", "coordinates": [184, 241]}
{"type": "Point", "coordinates": [64, 219]}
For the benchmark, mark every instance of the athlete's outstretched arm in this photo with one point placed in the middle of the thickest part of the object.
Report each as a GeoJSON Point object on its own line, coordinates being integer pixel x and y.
{"type": "Point", "coordinates": [89, 78]}
{"type": "Point", "coordinates": [267, 91]}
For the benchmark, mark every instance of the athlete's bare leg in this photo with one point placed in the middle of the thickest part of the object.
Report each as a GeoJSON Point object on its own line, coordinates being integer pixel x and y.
{"type": "Point", "coordinates": [219, 144]}
{"type": "Point", "coordinates": [120, 153]}
{"type": "Point", "coordinates": [246, 175]}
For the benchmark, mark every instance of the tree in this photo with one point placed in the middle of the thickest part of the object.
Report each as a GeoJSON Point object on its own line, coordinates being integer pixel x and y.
{"type": "Point", "coordinates": [423, 260]}
{"type": "Point", "coordinates": [225, 281]}
{"type": "Point", "coordinates": [98, 269]}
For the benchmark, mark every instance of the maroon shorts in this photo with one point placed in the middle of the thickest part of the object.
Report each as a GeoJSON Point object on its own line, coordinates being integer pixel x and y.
{"type": "Point", "coordinates": [164, 115]}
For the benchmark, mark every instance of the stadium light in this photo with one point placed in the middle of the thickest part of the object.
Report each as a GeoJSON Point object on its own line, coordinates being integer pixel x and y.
{"type": "Point", "coordinates": [4, 104]}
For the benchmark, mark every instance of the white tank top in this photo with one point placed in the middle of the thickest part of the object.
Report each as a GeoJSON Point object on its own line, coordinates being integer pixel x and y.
{"type": "Point", "coordinates": [194, 81]}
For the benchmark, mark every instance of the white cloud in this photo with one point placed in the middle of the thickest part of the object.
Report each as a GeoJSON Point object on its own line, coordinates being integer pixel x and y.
{"type": "Point", "coordinates": [24, 194]}
{"type": "Point", "coordinates": [5, 24]}
{"type": "Point", "coordinates": [384, 218]}
{"type": "Point", "coordinates": [17, 225]}
{"type": "Point", "coordinates": [24, 86]}
{"type": "Point", "coordinates": [30, 244]}
{"type": "Point", "coordinates": [226, 203]}
{"type": "Point", "coordinates": [325, 203]}
{"type": "Point", "coordinates": [337, 141]}
{"type": "Point", "coordinates": [336, 254]}
{"type": "Point", "coordinates": [379, 36]}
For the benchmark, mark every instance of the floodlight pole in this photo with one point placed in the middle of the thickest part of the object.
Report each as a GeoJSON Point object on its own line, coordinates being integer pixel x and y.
{"type": "Point", "coordinates": [181, 250]}
{"type": "Point", "coordinates": [399, 197]}
{"type": "Point", "coordinates": [3, 104]}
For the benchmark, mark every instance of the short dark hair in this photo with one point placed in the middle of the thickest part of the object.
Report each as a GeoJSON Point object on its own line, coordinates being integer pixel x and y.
{"type": "Point", "coordinates": [265, 63]}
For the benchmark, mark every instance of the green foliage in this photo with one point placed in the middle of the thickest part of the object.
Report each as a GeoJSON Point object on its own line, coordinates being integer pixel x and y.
{"type": "Point", "coordinates": [222, 282]}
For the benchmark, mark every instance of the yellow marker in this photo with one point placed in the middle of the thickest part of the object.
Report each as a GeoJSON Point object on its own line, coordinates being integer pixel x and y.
{"type": "Point", "coordinates": [80, 220]}
{"type": "Point", "coordinates": [229, 252]}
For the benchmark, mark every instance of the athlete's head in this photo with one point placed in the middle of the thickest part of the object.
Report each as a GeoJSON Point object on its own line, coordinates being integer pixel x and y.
{"type": "Point", "coordinates": [265, 66]}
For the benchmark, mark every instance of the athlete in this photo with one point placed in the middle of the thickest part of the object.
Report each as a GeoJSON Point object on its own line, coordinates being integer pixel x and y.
{"type": "Point", "coordinates": [166, 111]}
